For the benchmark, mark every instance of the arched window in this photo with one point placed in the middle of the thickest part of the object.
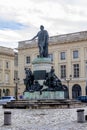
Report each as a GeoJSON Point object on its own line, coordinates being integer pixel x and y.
{"type": "Point", "coordinates": [76, 91]}
{"type": "Point", "coordinates": [86, 90]}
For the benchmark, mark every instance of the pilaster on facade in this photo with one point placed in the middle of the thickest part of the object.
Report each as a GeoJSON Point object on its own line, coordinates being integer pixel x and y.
{"type": "Point", "coordinates": [82, 58]}
{"type": "Point", "coordinates": [69, 64]}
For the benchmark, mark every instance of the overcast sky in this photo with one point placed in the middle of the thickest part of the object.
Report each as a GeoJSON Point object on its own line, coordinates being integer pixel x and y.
{"type": "Point", "coordinates": [21, 19]}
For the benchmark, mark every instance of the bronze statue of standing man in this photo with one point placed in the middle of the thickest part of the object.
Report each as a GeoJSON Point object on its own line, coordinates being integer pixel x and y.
{"type": "Point", "coordinates": [43, 38]}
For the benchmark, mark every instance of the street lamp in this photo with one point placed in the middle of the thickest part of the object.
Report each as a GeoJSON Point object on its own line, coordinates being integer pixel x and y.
{"type": "Point", "coordinates": [68, 80]}
{"type": "Point", "coordinates": [86, 72]}
{"type": "Point", "coordinates": [16, 81]}
{"type": "Point", "coordinates": [86, 75]}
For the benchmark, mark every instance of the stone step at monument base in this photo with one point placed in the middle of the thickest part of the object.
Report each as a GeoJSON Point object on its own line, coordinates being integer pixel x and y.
{"type": "Point", "coordinates": [44, 104]}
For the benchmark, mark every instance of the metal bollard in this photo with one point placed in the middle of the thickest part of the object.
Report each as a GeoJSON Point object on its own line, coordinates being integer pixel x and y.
{"type": "Point", "coordinates": [80, 115]}
{"type": "Point", "coordinates": [7, 118]}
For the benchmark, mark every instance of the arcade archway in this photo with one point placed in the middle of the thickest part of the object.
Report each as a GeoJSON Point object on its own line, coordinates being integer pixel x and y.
{"type": "Point", "coordinates": [86, 90]}
{"type": "Point", "coordinates": [0, 93]}
{"type": "Point", "coordinates": [76, 91]}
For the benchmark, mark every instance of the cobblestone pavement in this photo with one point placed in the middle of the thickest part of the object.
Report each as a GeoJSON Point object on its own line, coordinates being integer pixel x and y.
{"type": "Point", "coordinates": [43, 119]}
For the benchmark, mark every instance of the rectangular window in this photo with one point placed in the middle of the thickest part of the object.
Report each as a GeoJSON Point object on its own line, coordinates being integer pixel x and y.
{"type": "Point", "coordinates": [15, 74]}
{"type": "Point", "coordinates": [76, 70]}
{"type": "Point", "coordinates": [50, 56]}
{"type": "Point", "coordinates": [75, 54]}
{"type": "Point", "coordinates": [6, 78]}
{"type": "Point", "coordinates": [62, 56]}
{"type": "Point", "coordinates": [28, 60]}
{"type": "Point", "coordinates": [63, 71]}
{"type": "Point", "coordinates": [7, 65]}
{"type": "Point", "coordinates": [16, 60]}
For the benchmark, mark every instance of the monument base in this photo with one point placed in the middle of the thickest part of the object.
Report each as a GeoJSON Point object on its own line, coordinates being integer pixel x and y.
{"type": "Point", "coordinates": [41, 66]}
{"type": "Point", "coordinates": [44, 95]}
{"type": "Point", "coordinates": [46, 84]}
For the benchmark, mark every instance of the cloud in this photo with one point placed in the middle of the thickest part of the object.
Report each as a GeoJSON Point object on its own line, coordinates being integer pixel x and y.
{"type": "Point", "coordinates": [11, 45]}
{"type": "Point", "coordinates": [20, 19]}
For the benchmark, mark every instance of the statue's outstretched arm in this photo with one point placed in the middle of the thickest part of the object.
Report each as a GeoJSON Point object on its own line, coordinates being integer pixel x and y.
{"type": "Point", "coordinates": [34, 37]}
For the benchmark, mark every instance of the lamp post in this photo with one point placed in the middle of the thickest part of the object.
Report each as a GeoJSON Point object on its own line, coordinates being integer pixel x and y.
{"type": "Point", "coordinates": [86, 76]}
{"type": "Point", "coordinates": [16, 81]}
{"type": "Point", "coordinates": [68, 80]}
{"type": "Point", "coordinates": [86, 72]}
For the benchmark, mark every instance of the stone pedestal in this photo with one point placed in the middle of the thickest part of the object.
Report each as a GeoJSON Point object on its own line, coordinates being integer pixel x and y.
{"type": "Point", "coordinates": [44, 95]}
{"type": "Point", "coordinates": [41, 66]}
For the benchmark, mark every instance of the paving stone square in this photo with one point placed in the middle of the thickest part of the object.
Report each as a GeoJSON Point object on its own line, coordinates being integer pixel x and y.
{"type": "Point", "coordinates": [43, 119]}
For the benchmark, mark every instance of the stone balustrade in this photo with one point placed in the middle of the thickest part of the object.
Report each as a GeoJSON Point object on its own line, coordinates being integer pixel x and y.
{"type": "Point", "coordinates": [64, 38]}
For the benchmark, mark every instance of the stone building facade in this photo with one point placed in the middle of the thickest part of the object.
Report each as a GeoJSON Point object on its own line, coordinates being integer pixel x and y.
{"type": "Point", "coordinates": [69, 56]}
{"type": "Point", "coordinates": [7, 68]}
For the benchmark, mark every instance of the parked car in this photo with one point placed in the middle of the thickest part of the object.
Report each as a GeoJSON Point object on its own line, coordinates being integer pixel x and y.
{"type": "Point", "coordinates": [6, 99]}
{"type": "Point", "coordinates": [82, 98]}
